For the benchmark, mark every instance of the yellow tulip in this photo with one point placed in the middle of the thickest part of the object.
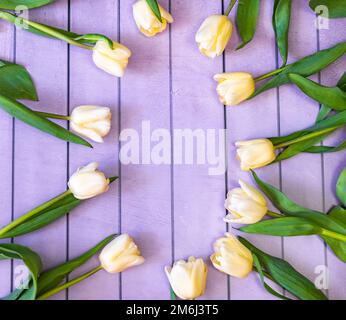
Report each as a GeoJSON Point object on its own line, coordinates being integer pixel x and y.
{"type": "Point", "coordinates": [147, 22]}
{"type": "Point", "coordinates": [213, 35]}
{"type": "Point", "coordinates": [232, 257]}
{"type": "Point", "coordinates": [245, 204]}
{"type": "Point", "coordinates": [254, 154]}
{"type": "Point", "coordinates": [234, 87]}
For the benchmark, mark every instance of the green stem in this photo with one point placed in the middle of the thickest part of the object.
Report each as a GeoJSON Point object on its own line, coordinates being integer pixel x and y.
{"type": "Point", "coordinates": [230, 7]}
{"type": "Point", "coordinates": [334, 235]}
{"type": "Point", "coordinates": [266, 274]}
{"type": "Point", "coordinates": [32, 213]}
{"type": "Point", "coordinates": [69, 284]}
{"type": "Point", "coordinates": [270, 74]}
{"type": "Point", "coordinates": [306, 137]}
{"type": "Point", "coordinates": [274, 214]}
{"type": "Point", "coordinates": [52, 115]}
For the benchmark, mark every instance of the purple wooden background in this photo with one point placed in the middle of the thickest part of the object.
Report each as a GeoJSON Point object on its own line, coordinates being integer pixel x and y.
{"type": "Point", "coordinates": [171, 211]}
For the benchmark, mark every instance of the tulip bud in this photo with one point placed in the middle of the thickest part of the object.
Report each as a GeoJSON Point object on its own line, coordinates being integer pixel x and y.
{"type": "Point", "coordinates": [92, 122]}
{"type": "Point", "coordinates": [234, 87]}
{"type": "Point", "coordinates": [113, 61]}
{"type": "Point", "coordinates": [120, 254]}
{"type": "Point", "coordinates": [213, 35]}
{"type": "Point", "coordinates": [232, 257]}
{"type": "Point", "coordinates": [188, 279]}
{"type": "Point", "coordinates": [254, 154]}
{"type": "Point", "coordinates": [87, 182]}
{"type": "Point", "coordinates": [246, 205]}
{"type": "Point", "coordinates": [147, 22]}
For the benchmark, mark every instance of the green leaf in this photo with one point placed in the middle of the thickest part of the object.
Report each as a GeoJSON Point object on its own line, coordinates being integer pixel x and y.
{"type": "Point", "coordinates": [12, 4]}
{"type": "Point", "coordinates": [283, 227]}
{"type": "Point", "coordinates": [49, 279]}
{"type": "Point", "coordinates": [31, 259]}
{"type": "Point", "coordinates": [25, 114]}
{"type": "Point", "coordinates": [341, 187]}
{"type": "Point", "coordinates": [281, 24]}
{"type": "Point", "coordinates": [327, 149]}
{"type": "Point", "coordinates": [285, 275]}
{"type": "Point", "coordinates": [16, 82]}
{"type": "Point", "coordinates": [155, 8]}
{"type": "Point", "coordinates": [247, 15]}
{"type": "Point", "coordinates": [338, 213]}
{"type": "Point", "coordinates": [337, 246]}
{"type": "Point", "coordinates": [336, 8]}
{"type": "Point", "coordinates": [333, 97]}
{"type": "Point", "coordinates": [305, 67]}
{"type": "Point", "coordinates": [323, 113]}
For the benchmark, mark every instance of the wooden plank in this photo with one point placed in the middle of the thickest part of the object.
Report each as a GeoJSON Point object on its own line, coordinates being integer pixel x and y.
{"type": "Point", "coordinates": [99, 217]}
{"type": "Point", "coordinates": [146, 189]}
{"type": "Point", "coordinates": [253, 119]}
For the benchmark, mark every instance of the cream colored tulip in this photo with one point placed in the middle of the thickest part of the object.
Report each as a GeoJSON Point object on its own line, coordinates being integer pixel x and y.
{"type": "Point", "coordinates": [92, 122]}
{"type": "Point", "coordinates": [113, 61]}
{"type": "Point", "coordinates": [120, 254]}
{"type": "Point", "coordinates": [87, 182]}
{"type": "Point", "coordinates": [188, 278]}
{"type": "Point", "coordinates": [254, 154]}
{"type": "Point", "coordinates": [232, 257]}
{"type": "Point", "coordinates": [245, 204]}
{"type": "Point", "coordinates": [234, 87]}
{"type": "Point", "coordinates": [213, 35]}
{"type": "Point", "coordinates": [147, 22]}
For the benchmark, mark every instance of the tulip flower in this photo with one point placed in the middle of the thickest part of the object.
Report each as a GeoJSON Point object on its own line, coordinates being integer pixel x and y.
{"type": "Point", "coordinates": [245, 204]}
{"type": "Point", "coordinates": [87, 182]}
{"type": "Point", "coordinates": [234, 87]}
{"type": "Point", "coordinates": [213, 35]}
{"type": "Point", "coordinates": [254, 154]}
{"type": "Point", "coordinates": [92, 122]}
{"type": "Point", "coordinates": [113, 61]}
{"type": "Point", "coordinates": [146, 20]}
{"type": "Point", "coordinates": [120, 254]}
{"type": "Point", "coordinates": [188, 278]}
{"type": "Point", "coordinates": [232, 257]}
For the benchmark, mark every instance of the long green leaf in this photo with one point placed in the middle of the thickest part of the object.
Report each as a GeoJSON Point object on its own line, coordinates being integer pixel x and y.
{"type": "Point", "coordinates": [341, 187]}
{"type": "Point", "coordinates": [327, 149]}
{"type": "Point", "coordinates": [305, 67]}
{"type": "Point", "coordinates": [335, 8]}
{"type": "Point", "coordinates": [281, 24]}
{"type": "Point", "coordinates": [16, 82]}
{"type": "Point", "coordinates": [155, 8]}
{"type": "Point", "coordinates": [247, 15]}
{"type": "Point", "coordinates": [49, 279]}
{"type": "Point", "coordinates": [31, 259]}
{"type": "Point", "coordinates": [30, 4]}
{"type": "Point", "coordinates": [25, 114]}
{"type": "Point", "coordinates": [333, 97]}
{"type": "Point", "coordinates": [285, 275]}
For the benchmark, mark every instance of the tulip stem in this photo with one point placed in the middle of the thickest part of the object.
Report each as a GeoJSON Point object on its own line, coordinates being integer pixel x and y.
{"type": "Point", "coordinates": [32, 213]}
{"type": "Point", "coordinates": [230, 7]}
{"type": "Point", "coordinates": [52, 115]}
{"type": "Point", "coordinates": [334, 235]}
{"type": "Point", "coordinates": [274, 214]}
{"type": "Point", "coordinates": [270, 74]}
{"type": "Point", "coordinates": [306, 137]}
{"type": "Point", "coordinates": [69, 284]}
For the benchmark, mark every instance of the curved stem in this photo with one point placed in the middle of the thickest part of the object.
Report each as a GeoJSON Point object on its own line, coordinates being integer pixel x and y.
{"type": "Point", "coordinates": [52, 115]}
{"type": "Point", "coordinates": [306, 137]}
{"type": "Point", "coordinates": [334, 235]}
{"type": "Point", "coordinates": [32, 213]}
{"type": "Point", "coordinates": [230, 7]}
{"type": "Point", "coordinates": [270, 74]}
{"type": "Point", "coordinates": [274, 214]}
{"type": "Point", "coordinates": [69, 284]}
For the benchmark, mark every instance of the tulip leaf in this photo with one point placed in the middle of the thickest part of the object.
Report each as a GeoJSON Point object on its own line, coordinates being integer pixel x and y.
{"type": "Point", "coordinates": [247, 15]}
{"type": "Point", "coordinates": [327, 149]}
{"type": "Point", "coordinates": [155, 9]}
{"type": "Point", "coordinates": [281, 24]}
{"type": "Point", "coordinates": [341, 187]}
{"type": "Point", "coordinates": [323, 113]}
{"type": "Point", "coordinates": [33, 262]}
{"type": "Point", "coordinates": [30, 4]}
{"type": "Point", "coordinates": [333, 97]}
{"type": "Point", "coordinates": [16, 82]}
{"type": "Point", "coordinates": [329, 8]}
{"type": "Point", "coordinates": [338, 213]}
{"type": "Point", "coordinates": [25, 114]}
{"type": "Point", "coordinates": [337, 246]}
{"type": "Point", "coordinates": [51, 278]}
{"type": "Point", "coordinates": [283, 227]}
{"type": "Point", "coordinates": [305, 67]}
{"type": "Point", "coordinates": [285, 275]}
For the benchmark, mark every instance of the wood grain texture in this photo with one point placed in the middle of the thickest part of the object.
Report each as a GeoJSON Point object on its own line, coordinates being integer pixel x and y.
{"type": "Point", "coordinates": [172, 211]}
